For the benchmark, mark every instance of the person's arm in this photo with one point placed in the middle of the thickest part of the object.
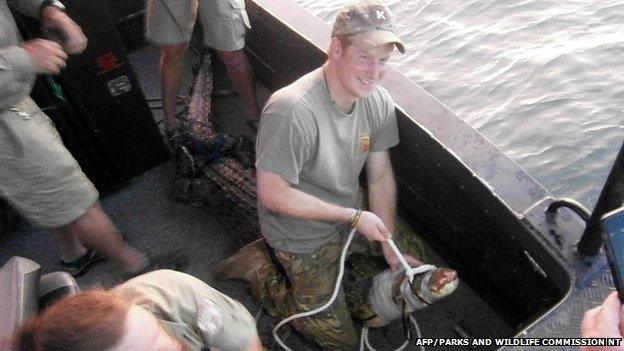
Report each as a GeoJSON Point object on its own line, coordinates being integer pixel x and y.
{"type": "Point", "coordinates": [604, 321]}
{"type": "Point", "coordinates": [382, 201]}
{"type": "Point", "coordinates": [19, 64]}
{"type": "Point", "coordinates": [381, 188]}
{"type": "Point", "coordinates": [52, 15]}
{"type": "Point", "coordinates": [276, 195]}
{"type": "Point", "coordinates": [75, 41]}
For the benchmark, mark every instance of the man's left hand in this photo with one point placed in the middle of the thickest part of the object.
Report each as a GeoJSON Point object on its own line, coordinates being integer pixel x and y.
{"type": "Point", "coordinates": [75, 41]}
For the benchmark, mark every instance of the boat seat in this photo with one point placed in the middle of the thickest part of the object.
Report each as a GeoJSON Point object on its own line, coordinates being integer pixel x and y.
{"type": "Point", "coordinates": [24, 292]}
{"type": "Point", "coordinates": [55, 286]}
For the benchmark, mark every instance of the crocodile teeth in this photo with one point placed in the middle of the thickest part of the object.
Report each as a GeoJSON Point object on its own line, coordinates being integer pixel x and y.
{"type": "Point", "coordinates": [447, 289]}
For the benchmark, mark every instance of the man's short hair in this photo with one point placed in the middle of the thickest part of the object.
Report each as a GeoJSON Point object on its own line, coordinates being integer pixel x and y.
{"type": "Point", "coordinates": [345, 40]}
{"type": "Point", "coordinates": [92, 320]}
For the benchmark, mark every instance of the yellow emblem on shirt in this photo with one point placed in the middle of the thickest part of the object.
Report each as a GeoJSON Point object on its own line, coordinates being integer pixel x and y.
{"type": "Point", "coordinates": [364, 143]}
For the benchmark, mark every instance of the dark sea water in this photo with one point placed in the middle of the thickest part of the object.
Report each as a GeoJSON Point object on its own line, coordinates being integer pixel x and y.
{"type": "Point", "coordinates": [543, 80]}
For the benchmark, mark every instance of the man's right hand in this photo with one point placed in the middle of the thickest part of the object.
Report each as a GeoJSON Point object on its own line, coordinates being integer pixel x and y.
{"type": "Point", "coordinates": [372, 227]}
{"type": "Point", "coordinates": [48, 57]}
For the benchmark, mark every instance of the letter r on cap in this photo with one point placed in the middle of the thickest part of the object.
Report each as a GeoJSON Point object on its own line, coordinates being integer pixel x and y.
{"type": "Point", "coordinates": [380, 14]}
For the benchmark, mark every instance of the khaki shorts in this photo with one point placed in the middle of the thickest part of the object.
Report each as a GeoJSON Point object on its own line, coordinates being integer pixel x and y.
{"type": "Point", "coordinates": [38, 176]}
{"type": "Point", "coordinates": [224, 22]}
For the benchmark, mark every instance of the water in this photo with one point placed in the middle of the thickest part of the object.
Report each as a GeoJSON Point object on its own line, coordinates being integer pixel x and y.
{"type": "Point", "coordinates": [542, 79]}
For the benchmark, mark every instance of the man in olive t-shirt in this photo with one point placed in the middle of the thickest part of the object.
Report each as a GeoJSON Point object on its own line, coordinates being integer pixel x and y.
{"type": "Point", "coordinates": [319, 150]}
{"type": "Point", "coordinates": [315, 137]}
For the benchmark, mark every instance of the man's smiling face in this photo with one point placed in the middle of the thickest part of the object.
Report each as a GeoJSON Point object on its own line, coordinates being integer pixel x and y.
{"type": "Point", "coordinates": [361, 66]}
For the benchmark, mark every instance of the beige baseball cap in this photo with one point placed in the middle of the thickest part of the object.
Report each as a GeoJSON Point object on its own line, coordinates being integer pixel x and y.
{"type": "Point", "coordinates": [368, 16]}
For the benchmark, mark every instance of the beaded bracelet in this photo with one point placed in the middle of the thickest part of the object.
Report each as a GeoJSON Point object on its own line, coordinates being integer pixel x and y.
{"type": "Point", "coordinates": [355, 218]}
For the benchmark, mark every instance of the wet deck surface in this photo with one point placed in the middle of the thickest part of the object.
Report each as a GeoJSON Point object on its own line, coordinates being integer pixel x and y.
{"type": "Point", "coordinates": [152, 221]}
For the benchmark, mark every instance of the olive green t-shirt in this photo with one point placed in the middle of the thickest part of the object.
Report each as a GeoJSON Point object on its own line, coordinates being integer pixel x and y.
{"type": "Point", "coordinates": [320, 150]}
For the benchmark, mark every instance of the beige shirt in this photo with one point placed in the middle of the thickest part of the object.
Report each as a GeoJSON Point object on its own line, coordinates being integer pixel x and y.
{"type": "Point", "coordinates": [190, 309]}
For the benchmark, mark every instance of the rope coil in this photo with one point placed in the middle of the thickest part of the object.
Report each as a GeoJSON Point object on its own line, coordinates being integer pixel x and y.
{"type": "Point", "coordinates": [409, 271]}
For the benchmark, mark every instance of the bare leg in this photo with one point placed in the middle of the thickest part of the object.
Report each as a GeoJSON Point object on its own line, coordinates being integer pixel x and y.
{"type": "Point", "coordinates": [242, 76]}
{"type": "Point", "coordinates": [96, 231]}
{"type": "Point", "coordinates": [171, 58]}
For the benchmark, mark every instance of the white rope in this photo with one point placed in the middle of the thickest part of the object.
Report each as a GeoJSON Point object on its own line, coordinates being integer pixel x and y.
{"type": "Point", "coordinates": [364, 343]}
{"type": "Point", "coordinates": [364, 336]}
{"type": "Point", "coordinates": [409, 271]}
{"type": "Point", "coordinates": [398, 253]}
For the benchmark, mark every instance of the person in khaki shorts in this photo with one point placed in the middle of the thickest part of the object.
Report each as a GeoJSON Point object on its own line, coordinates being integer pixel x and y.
{"type": "Point", "coordinates": [170, 23]}
{"type": "Point", "coordinates": [38, 176]}
{"type": "Point", "coordinates": [162, 310]}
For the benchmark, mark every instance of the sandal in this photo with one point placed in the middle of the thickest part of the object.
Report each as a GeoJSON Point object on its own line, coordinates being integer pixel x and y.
{"type": "Point", "coordinates": [80, 266]}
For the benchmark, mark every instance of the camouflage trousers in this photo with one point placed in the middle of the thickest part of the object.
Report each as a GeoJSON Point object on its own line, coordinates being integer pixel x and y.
{"type": "Point", "coordinates": [300, 282]}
